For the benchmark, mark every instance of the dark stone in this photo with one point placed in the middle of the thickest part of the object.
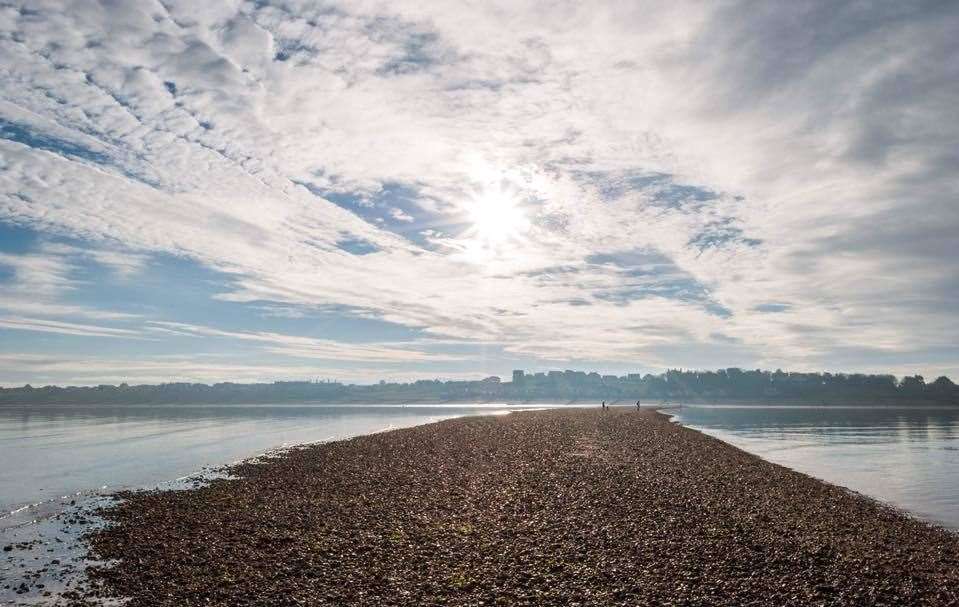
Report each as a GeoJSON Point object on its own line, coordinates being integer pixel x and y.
{"type": "Point", "coordinates": [569, 507]}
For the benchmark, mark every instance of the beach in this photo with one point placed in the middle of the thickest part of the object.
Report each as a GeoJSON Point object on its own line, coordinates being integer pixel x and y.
{"type": "Point", "coordinates": [562, 507]}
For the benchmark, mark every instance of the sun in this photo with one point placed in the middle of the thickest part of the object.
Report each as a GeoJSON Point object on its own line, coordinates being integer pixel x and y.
{"type": "Point", "coordinates": [496, 217]}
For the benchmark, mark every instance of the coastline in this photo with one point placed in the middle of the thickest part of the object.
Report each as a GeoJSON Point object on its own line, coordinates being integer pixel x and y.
{"type": "Point", "coordinates": [547, 507]}
{"type": "Point", "coordinates": [512, 402]}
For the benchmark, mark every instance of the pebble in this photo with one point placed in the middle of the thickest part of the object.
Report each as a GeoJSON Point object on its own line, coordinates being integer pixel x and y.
{"type": "Point", "coordinates": [566, 507]}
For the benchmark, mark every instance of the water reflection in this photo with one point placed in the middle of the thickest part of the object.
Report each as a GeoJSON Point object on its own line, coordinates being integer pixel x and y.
{"type": "Point", "coordinates": [908, 457]}
{"type": "Point", "coordinates": [51, 451]}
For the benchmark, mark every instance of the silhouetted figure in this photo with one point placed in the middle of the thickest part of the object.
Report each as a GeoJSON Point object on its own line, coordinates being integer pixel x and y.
{"type": "Point", "coordinates": [637, 405]}
{"type": "Point", "coordinates": [604, 404]}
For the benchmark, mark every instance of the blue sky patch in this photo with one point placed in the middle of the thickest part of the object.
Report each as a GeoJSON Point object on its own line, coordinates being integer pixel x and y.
{"type": "Point", "coordinates": [656, 275]}
{"type": "Point", "coordinates": [720, 233]}
{"type": "Point", "coordinates": [661, 188]}
{"type": "Point", "coordinates": [26, 135]}
{"type": "Point", "coordinates": [71, 150]}
{"type": "Point", "coordinates": [772, 308]}
{"type": "Point", "coordinates": [393, 208]}
{"type": "Point", "coordinates": [16, 239]}
{"type": "Point", "coordinates": [357, 246]}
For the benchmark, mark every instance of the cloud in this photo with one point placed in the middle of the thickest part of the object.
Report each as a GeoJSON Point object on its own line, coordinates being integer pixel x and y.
{"type": "Point", "coordinates": [296, 346]}
{"type": "Point", "coordinates": [38, 275]}
{"type": "Point", "coordinates": [41, 280]}
{"type": "Point", "coordinates": [126, 265]}
{"type": "Point", "coordinates": [41, 369]}
{"type": "Point", "coordinates": [326, 155]}
{"type": "Point", "coordinates": [64, 328]}
{"type": "Point", "coordinates": [400, 215]}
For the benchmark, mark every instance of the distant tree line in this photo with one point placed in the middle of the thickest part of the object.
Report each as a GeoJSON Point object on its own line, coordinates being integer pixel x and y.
{"type": "Point", "coordinates": [737, 385]}
{"type": "Point", "coordinates": [724, 385]}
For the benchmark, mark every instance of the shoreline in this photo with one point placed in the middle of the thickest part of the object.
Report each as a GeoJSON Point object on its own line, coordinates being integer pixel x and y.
{"type": "Point", "coordinates": [459, 511]}
{"type": "Point", "coordinates": [867, 403]}
{"type": "Point", "coordinates": [674, 418]}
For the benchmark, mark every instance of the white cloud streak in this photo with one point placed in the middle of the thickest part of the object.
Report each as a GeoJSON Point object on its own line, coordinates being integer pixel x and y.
{"type": "Point", "coordinates": [296, 346]}
{"type": "Point", "coordinates": [64, 328]}
{"type": "Point", "coordinates": [40, 281]}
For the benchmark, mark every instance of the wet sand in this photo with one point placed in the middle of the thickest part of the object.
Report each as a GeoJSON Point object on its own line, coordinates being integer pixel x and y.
{"type": "Point", "coordinates": [577, 507]}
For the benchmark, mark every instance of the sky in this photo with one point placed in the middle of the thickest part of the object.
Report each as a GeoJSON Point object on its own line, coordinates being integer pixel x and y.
{"type": "Point", "coordinates": [263, 190]}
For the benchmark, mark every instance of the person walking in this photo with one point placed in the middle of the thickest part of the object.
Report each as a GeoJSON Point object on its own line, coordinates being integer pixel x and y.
{"type": "Point", "coordinates": [637, 405]}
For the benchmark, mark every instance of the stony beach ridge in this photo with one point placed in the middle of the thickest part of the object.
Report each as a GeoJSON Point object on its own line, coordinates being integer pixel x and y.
{"type": "Point", "coordinates": [562, 507]}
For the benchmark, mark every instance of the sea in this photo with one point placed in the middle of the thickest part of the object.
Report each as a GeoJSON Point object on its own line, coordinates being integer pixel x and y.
{"type": "Point", "coordinates": [50, 455]}
{"type": "Point", "coordinates": [907, 457]}
{"type": "Point", "coordinates": [58, 464]}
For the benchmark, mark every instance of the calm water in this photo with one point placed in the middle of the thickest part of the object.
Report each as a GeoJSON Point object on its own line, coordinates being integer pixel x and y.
{"type": "Point", "coordinates": [47, 452]}
{"type": "Point", "coordinates": [906, 457]}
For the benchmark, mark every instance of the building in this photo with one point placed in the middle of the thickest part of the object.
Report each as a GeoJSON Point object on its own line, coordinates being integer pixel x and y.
{"type": "Point", "coordinates": [519, 377]}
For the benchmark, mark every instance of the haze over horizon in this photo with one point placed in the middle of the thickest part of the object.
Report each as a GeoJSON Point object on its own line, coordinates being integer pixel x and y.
{"type": "Point", "coordinates": [250, 191]}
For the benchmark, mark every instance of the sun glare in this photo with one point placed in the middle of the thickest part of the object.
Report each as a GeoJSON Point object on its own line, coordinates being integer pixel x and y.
{"type": "Point", "coordinates": [497, 218]}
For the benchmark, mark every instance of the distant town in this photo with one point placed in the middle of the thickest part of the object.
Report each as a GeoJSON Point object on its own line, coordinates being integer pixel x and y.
{"type": "Point", "coordinates": [674, 386]}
